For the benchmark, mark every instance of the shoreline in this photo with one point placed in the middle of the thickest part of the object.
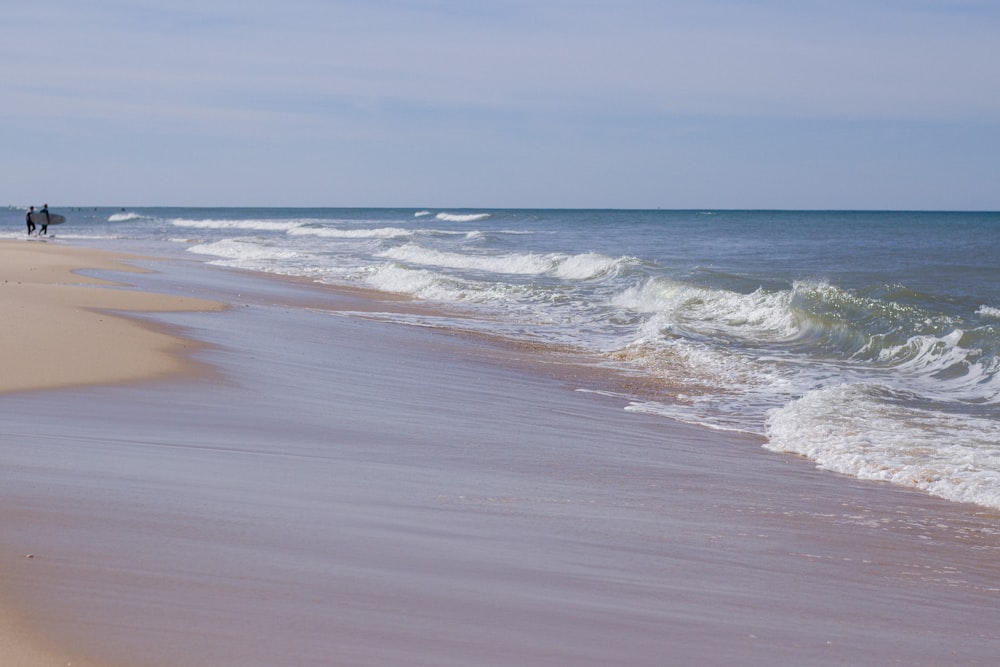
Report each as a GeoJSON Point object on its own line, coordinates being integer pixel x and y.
{"type": "Point", "coordinates": [45, 295]}
{"type": "Point", "coordinates": [403, 495]}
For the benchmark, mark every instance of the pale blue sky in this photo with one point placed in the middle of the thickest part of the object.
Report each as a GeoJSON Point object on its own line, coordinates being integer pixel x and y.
{"type": "Point", "coordinates": [502, 103]}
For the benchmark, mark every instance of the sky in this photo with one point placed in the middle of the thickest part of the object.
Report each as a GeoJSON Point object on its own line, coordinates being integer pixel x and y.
{"type": "Point", "coordinates": [769, 104]}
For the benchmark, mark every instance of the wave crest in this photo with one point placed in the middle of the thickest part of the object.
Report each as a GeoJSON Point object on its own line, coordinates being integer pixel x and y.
{"type": "Point", "coordinates": [758, 316]}
{"type": "Point", "coordinates": [463, 217]}
{"type": "Point", "coordinates": [243, 254]}
{"type": "Point", "coordinates": [330, 232]}
{"type": "Point", "coordinates": [988, 311]}
{"type": "Point", "coordinates": [249, 225]}
{"type": "Point", "coordinates": [569, 267]}
{"type": "Point", "coordinates": [124, 216]}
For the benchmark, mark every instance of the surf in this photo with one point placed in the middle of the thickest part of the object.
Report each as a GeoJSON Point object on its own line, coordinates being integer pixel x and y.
{"type": "Point", "coordinates": [248, 225]}
{"type": "Point", "coordinates": [124, 217]}
{"type": "Point", "coordinates": [570, 267]}
{"type": "Point", "coordinates": [743, 320]}
{"type": "Point", "coordinates": [463, 217]}
{"type": "Point", "coordinates": [870, 432]}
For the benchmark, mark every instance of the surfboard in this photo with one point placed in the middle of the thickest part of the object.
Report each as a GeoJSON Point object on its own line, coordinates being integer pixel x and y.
{"type": "Point", "coordinates": [38, 218]}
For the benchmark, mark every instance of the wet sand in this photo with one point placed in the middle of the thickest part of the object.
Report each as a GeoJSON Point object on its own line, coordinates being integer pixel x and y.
{"type": "Point", "coordinates": [348, 491]}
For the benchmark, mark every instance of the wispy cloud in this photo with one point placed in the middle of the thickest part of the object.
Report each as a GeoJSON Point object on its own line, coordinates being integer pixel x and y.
{"type": "Point", "coordinates": [387, 70]}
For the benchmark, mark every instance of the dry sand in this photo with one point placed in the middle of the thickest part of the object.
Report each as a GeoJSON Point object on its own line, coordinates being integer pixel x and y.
{"type": "Point", "coordinates": [59, 327]}
{"type": "Point", "coordinates": [347, 491]}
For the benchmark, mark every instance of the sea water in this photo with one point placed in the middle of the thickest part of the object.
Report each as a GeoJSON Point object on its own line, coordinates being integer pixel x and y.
{"type": "Point", "coordinates": [866, 341]}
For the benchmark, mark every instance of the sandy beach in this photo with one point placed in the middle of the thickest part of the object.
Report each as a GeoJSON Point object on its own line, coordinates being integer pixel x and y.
{"type": "Point", "coordinates": [211, 468]}
{"type": "Point", "coordinates": [44, 295]}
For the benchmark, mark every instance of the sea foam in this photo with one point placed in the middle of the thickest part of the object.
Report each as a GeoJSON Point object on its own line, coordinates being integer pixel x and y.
{"type": "Point", "coordinates": [463, 217]}
{"type": "Point", "coordinates": [861, 430]}
{"type": "Point", "coordinates": [249, 225]}
{"type": "Point", "coordinates": [243, 254]}
{"type": "Point", "coordinates": [570, 267]}
{"type": "Point", "coordinates": [363, 233]}
{"type": "Point", "coordinates": [988, 311]}
{"type": "Point", "coordinates": [123, 217]}
{"type": "Point", "coordinates": [758, 316]}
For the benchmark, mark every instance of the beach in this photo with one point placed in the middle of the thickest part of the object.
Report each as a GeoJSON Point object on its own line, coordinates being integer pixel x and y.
{"type": "Point", "coordinates": [43, 299]}
{"type": "Point", "coordinates": [207, 467]}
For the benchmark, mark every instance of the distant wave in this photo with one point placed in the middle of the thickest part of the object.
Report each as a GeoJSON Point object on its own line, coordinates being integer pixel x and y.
{"type": "Point", "coordinates": [329, 232]}
{"type": "Point", "coordinates": [253, 225]}
{"type": "Point", "coordinates": [570, 267]}
{"type": "Point", "coordinates": [123, 217]}
{"type": "Point", "coordinates": [420, 214]}
{"type": "Point", "coordinates": [463, 217]}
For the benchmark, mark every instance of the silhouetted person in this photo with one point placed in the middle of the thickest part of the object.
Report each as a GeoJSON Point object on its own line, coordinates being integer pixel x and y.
{"type": "Point", "coordinates": [45, 225]}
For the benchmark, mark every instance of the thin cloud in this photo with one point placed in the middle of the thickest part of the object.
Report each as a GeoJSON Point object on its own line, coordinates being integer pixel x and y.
{"type": "Point", "coordinates": [541, 78]}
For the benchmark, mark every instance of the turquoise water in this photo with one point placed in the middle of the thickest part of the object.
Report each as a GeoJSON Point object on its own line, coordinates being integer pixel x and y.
{"type": "Point", "coordinates": [867, 341]}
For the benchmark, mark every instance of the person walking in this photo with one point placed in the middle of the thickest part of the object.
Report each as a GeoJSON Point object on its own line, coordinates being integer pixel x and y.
{"type": "Point", "coordinates": [27, 218]}
{"type": "Point", "coordinates": [45, 225]}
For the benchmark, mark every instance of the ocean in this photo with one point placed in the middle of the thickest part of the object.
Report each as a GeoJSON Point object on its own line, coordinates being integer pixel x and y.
{"type": "Point", "coordinates": [868, 342]}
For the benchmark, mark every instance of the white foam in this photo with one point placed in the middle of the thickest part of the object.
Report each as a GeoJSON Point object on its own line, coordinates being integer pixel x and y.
{"type": "Point", "coordinates": [941, 367]}
{"type": "Point", "coordinates": [335, 233]}
{"type": "Point", "coordinates": [123, 217]}
{"type": "Point", "coordinates": [416, 282]}
{"type": "Point", "coordinates": [250, 225]}
{"type": "Point", "coordinates": [434, 286]}
{"type": "Point", "coordinates": [463, 217]}
{"type": "Point", "coordinates": [757, 316]}
{"type": "Point", "coordinates": [421, 214]}
{"type": "Point", "coordinates": [861, 430]}
{"type": "Point", "coordinates": [988, 311]}
{"type": "Point", "coordinates": [243, 254]}
{"type": "Point", "coordinates": [570, 267]}
{"type": "Point", "coordinates": [586, 266]}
